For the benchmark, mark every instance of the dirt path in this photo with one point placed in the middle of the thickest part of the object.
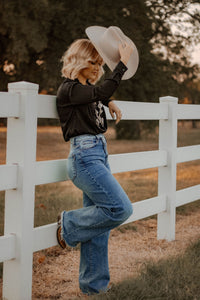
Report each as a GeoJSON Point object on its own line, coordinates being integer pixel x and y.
{"type": "Point", "coordinates": [55, 273]}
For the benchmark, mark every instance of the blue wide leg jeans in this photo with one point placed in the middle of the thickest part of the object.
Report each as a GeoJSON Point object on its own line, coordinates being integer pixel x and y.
{"type": "Point", "coordinates": [106, 206]}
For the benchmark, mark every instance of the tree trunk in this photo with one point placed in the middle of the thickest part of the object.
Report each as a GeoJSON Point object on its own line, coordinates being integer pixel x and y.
{"type": "Point", "coordinates": [128, 130]}
{"type": "Point", "coordinates": [194, 125]}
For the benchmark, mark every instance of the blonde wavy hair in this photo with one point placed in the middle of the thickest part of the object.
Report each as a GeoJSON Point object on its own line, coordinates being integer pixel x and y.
{"type": "Point", "coordinates": [77, 58]}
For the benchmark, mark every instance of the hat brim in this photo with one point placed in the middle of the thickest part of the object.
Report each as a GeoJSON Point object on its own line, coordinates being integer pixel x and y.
{"type": "Point", "coordinates": [94, 33]}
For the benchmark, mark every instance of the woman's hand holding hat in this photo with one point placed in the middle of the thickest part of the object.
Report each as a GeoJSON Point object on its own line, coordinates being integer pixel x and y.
{"type": "Point", "coordinates": [125, 52]}
{"type": "Point", "coordinates": [106, 41]}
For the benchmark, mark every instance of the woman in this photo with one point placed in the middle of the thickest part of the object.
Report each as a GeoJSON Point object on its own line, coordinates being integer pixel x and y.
{"type": "Point", "coordinates": [83, 122]}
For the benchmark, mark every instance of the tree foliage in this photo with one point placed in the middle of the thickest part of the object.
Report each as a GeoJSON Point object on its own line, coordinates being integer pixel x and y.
{"type": "Point", "coordinates": [35, 34]}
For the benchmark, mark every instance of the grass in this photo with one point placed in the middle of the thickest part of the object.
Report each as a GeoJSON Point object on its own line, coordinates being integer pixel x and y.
{"type": "Point", "coordinates": [51, 199]}
{"type": "Point", "coordinates": [172, 279]}
{"type": "Point", "coordinates": [125, 227]}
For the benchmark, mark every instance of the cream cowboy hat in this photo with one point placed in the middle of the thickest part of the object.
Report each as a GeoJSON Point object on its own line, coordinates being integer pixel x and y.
{"type": "Point", "coordinates": [106, 42]}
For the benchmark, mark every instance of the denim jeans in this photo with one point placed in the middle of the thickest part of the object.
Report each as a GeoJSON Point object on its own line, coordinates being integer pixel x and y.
{"type": "Point", "coordinates": [106, 206]}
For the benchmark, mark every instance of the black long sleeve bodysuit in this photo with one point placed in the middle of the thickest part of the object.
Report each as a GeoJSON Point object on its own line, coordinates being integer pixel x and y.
{"type": "Point", "coordinates": [80, 107]}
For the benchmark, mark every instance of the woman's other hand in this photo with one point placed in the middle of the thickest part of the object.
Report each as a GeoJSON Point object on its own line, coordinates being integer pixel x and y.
{"type": "Point", "coordinates": [115, 111]}
{"type": "Point", "coordinates": [125, 51]}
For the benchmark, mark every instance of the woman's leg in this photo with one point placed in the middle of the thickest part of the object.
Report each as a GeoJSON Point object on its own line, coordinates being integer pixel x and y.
{"type": "Point", "coordinates": [111, 206]}
{"type": "Point", "coordinates": [94, 270]}
{"type": "Point", "coordinates": [106, 206]}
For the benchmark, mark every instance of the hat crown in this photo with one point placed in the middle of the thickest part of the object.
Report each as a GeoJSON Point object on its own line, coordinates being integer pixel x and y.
{"type": "Point", "coordinates": [110, 40]}
{"type": "Point", "coordinates": [106, 41]}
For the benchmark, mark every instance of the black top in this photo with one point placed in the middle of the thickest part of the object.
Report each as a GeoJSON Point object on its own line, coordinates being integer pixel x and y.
{"type": "Point", "coordinates": [80, 107]}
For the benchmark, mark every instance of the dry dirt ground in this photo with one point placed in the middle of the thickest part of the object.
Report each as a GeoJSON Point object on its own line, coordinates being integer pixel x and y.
{"type": "Point", "coordinates": [55, 272]}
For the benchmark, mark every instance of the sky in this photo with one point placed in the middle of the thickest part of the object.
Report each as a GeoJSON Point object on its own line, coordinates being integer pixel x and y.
{"type": "Point", "coordinates": [196, 55]}
{"type": "Point", "coordinates": [185, 29]}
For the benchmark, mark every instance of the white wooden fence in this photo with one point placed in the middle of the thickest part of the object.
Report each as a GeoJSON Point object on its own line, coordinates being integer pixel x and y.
{"type": "Point", "coordinates": [22, 106]}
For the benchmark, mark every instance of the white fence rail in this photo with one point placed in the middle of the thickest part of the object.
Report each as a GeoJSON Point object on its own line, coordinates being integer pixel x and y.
{"type": "Point", "coordinates": [22, 106]}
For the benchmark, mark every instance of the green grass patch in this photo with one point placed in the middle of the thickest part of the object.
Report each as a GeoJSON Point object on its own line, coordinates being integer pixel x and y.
{"type": "Point", "coordinates": [125, 227]}
{"type": "Point", "coordinates": [188, 136]}
{"type": "Point", "coordinates": [172, 279]}
{"type": "Point", "coordinates": [51, 199]}
{"type": "Point", "coordinates": [188, 208]}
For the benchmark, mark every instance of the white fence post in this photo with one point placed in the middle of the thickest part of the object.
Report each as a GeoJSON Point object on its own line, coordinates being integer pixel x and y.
{"type": "Point", "coordinates": [19, 203]}
{"type": "Point", "coordinates": [167, 174]}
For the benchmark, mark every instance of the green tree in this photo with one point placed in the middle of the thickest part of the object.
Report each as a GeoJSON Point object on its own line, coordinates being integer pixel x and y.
{"type": "Point", "coordinates": [166, 63]}
{"type": "Point", "coordinates": [24, 33]}
{"type": "Point", "coordinates": [35, 34]}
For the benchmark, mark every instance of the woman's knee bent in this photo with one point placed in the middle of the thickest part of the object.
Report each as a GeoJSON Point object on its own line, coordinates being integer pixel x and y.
{"type": "Point", "coordinates": [127, 211]}
{"type": "Point", "coordinates": [121, 213]}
